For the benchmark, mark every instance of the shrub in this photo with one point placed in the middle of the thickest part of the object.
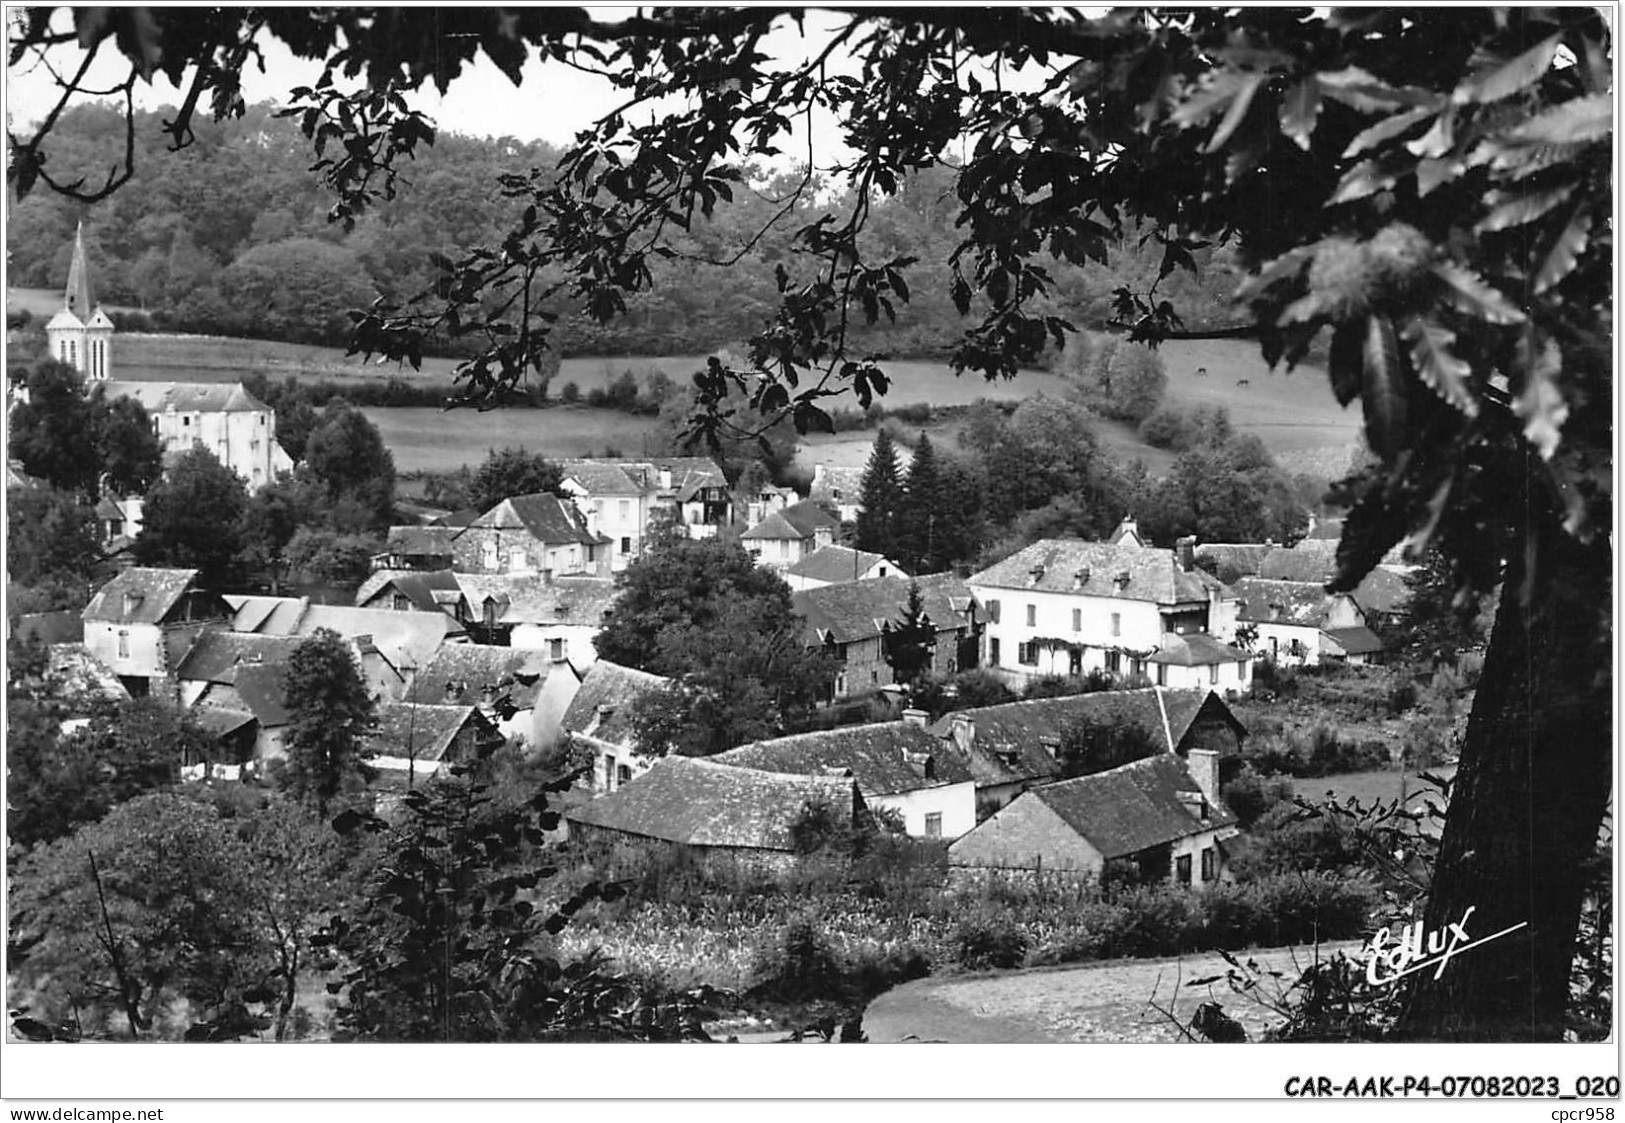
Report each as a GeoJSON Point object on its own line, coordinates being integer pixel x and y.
{"type": "Point", "coordinates": [1249, 795]}
{"type": "Point", "coordinates": [1167, 428]}
{"type": "Point", "coordinates": [570, 393]}
{"type": "Point", "coordinates": [989, 942]}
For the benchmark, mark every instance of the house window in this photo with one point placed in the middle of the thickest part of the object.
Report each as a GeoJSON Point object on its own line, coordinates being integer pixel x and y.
{"type": "Point", "coordinates": [1032, 615]}
{"type": "Point", "coordinates": [1162, 674]}
{"type": "Point", "coordinates": [1210, 863]}
{"type": "Point", "coordinates": [626, 545]}
{"type": "Point", "coordinates": [1241, 670]}
{"type": "Point", "coordinates": [993, 613]}
{"type": "Point", "coordinates": [1138, 667]}
{"type": "Point", "coordinates": [1077, 619]}
{"type": "Point", "coordinates": [490, 613]}
{"type": "Point", "coordinates": [1027, 654]}
{"type": "Point", "coordinates": [187, 421]}
{"type": "Point", "coordinates": [492, 559]}
{"type": "Point", "coordinates": [609, 773]}
{"type": "Point", "coordinates": [124, 645]}
{"type": "Point", "coordinates": [993, 649]}
{"type": "Point", "coordinates": [933, 825]}
{"type": "Point", "coordinates": [556, 648]}
{"type": "Point", "coordinates": [626, 509]}
{"type": "Point", "coordinates": [1117, 623]}
{"type": "Point", "coordinates": [623, 773]}
{"type": "Point", "coordinates": [1213, 674]}
{"type": "Point", "coordinates": [1182, 869]}
{"type": "Point", "coordinates": [1074, 666]}
{"type": "Point", "coordinates": [401, 603]}
{"type": "Point", "coordinates": [1114, 662]}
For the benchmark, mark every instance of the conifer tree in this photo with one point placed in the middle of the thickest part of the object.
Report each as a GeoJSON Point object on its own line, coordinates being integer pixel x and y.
{"type": "Point", "coordinates": [908, 643]}
{"type": "Point", "coordinates": [926, 514]}
{"type": "Point", "coordinates": [879, 523]}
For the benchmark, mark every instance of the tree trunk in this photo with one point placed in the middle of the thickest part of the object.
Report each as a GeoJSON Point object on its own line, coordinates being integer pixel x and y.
{"type": "Point", "coordinates": [1527, 804]}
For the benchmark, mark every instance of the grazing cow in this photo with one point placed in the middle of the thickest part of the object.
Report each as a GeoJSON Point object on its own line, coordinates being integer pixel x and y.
{"type": "Point", "coordinates": [1242, 382]}
{"type": "Point", "coordinates": [1201, 372]}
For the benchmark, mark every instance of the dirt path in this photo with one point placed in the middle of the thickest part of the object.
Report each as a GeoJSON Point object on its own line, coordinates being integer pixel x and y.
{"type": "Point", "coordinates": [1100, 1002]}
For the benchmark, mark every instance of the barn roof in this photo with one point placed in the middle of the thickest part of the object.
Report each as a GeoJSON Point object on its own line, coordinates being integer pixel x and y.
{"type": "Point", "coordinates": [1071, 565]}
{"type": "Point", "coordinates": [471, 668]}
{"type": "Point", "coordinates": [604, 700]}
{"type": "Point", "coordinates": [703, 803]}
{"type": "Point", "coordinates": [886, 758]}
{"type": "Point", "coordinates": [836, 564]}
{"type": "Point", "coordinates": [217, 656]}
{"type": "Point", "coordinates": [1131, 808]}
{"type": "Point", "coordinates": [545, 516]}
{"type": "Point", "coordinates": [859, 610]}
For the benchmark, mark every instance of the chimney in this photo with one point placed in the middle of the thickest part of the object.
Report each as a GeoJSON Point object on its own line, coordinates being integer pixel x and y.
{"type": "Point", "coordinates": [1185, 552]}
{"type": "Point", "coordinates": [823, 536]}
{"type": "Point", "coordinates": [1204, 769]}
{"type": "Point", "coordinates": [962, 730]}
{"type": "Point", "coordinates": [916, 717]}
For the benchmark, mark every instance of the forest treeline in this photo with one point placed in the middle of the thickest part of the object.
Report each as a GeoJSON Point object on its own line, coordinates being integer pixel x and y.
{"type": "Point", "coordinates": [231, 236]}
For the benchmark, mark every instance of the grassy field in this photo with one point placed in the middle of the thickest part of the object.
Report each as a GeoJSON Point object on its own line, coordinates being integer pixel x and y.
{"type": "Point", "coordinates": [436, 441]}
{"type": "Point", "coordinates": [1384, 786]}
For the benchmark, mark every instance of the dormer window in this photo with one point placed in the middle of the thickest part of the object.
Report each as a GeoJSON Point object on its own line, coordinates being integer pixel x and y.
{"type": "Point", "coordinates": [132, 601]}
{"type": "Point", "coordinates": [1037, 573]}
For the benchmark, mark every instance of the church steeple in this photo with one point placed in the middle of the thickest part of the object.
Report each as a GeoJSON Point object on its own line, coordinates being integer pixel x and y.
{"type": "Point", "coordinates": [79, 299]}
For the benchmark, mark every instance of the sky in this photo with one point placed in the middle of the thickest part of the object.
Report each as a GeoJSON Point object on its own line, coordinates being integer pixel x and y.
{"type": "Point", "coordinates": [553, 103]}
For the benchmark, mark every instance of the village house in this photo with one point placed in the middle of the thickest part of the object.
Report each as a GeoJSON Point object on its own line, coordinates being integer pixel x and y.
{"type": "Point", "coordinates": [524, 694]}
{"type": "Point", "coordinates": [752, 508]}
{"type": "Point", "coordinates": [143, 621]}
{"type": "Point", "coordinates": [412, 743]}
{"type": "Point", "coordinates": [1014, 746]}
{"type": "Point", "coordinates": [852, 621]}
{"type": "Point", "coordinates": [1300, 624]}
{"type": "Point", "coordinates": [837, 565]}
{"type": "Point", "coordinates": [119, 521]}
{"type": "Point", "coordinates": [1155, 819]}
{"type": "Point", "coordinates": [247, 713]}
{"type": "Point", "coordinates": [1064, 606]}
{"type": "Point", "coordinates": [623, 496]}
{"type": "Point", "coordinates": [531, 534]}
{"type": "Point", "coordinates": [899, 766]}
{"type": "Point", "coordinates": [224, 418]}
{"type": "Point", "coordinates": [406, 590]}
{"type": "Point", "coordinates": [402, 640]}
{"type": "Point", "coordinates": [838, 489]}
{"type": "Point", "coordinates": [418, 547]}
{"type": "Point", "coordinates": [598, 722]}
{"type": "Point", "coordinates": [785, 537]}
{"type": "Point", "coordinates": [718, 810]}
{"type": "Point", "coordinates": [556, 615]}
{"type": "Point", "coordinates": [1381, 596]}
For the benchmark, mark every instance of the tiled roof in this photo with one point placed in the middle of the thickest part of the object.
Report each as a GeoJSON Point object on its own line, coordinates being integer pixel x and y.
{"type": "Point", "coordinates": [1071, 565]}
{"type": "Point", "coordinates": [797, 521]}
{"type": "Point", "coordinates": [1355, 641]}
{"type": "Point", "coordinates": [605, 477]}
{"type": "Point", "coordinates": [272, 616]}
{"type": "Point", "coordinates": [702, 803]}
{"type": "Point", "coordinates": [529, 599]}
{"type": "Point", "coordinates": [512, 672]}
{"type": "Point", "coordinates": [1313, 559]}
{"type": "Point", "coordinates": [1010, 741]}
{"type": "Point", "coordinates": [1132, 808]}
{"type": "Point", "coordinates": [545, 516]}
{"type": "Point", "coordinates": [1195, 649]}
{"type": "Point", "coordinates": [425, 591]}
{"type": "Point", "coordinates": [422, 541]}
{"type": "Point", "coordinates": [260, 690]}
{"type": "Point", "coordinates": [220, 721]}
{"type": "Point", "coordinates": [1382, 590]}
{"type": "Point", "coordinates": [609, 685]}
{"type": "Point", "coordinates": [403, 638]}
{"type": "Point", "coordinates": [620, 476]}
{"type": "Point", "coordinates": [839, 563]}
{"type": "Point", "coordinates": [885, 758]}
{"type": "Point", "coordinates": [418, 732]}
{"type": "Point", "coordinates": [157, 590]}
{"type": "Point", "coordinates": [1260, 601]}
{"type": "Point", "coordinates": [216, 656]}
{"type": "Point", "coordinates": [858, 610]}
{"type": "Point", "coordinates": [188, 397]}
{"type": "Point", "coordinates": [1242, 558]}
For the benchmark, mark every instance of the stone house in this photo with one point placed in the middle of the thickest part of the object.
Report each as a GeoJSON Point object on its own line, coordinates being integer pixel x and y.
{"type": "Point", "coordinates": [1300, 624]}
{"type": "Point", "coordinates": [412, 743]}
{"type": "Point", "coordinates": [238, 428]}
{"type": "Point", "coordinates": [785, 537]}
{"type": "Point", "coordinates": [1014, 746]}
{"type": "Point", "coordinates": [523, 693]}
{"type": "Point", "coordinates": [1158, 818]}
{"type": "Point", "coordinates": [622, 496]}
{"type": "Point", "coordinates": [407, 590]}
{"type": "Point", "coordinates": [531, 534]}
{"type": "Point", "coordinates": [1064, 606]}
{"type": "Point", "coordinates": [715, 809]}
{"type": "Point", "coordinates": [142, 621]}
{"type": "Point", "coordinates": [598, 722]}
{"type": "Point", "coordinates": [899, 766]}
{"type": "Point", "coordinates": [852, 620]}
{"type": "Point", "coordinates": [556, 615]}
{"type": "Point", "coordinates": [837, 565]}
{"type": "Point", "coordinates": [839, 489]}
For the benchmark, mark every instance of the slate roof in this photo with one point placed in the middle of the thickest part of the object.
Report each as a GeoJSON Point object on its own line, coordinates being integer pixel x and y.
{"type": "Point", "coordinates": [259, 690]}
{"type": "Point", "coordinates": [528, 599]}
{"type": "Point", "coordinates": [886, 758]}
{"type": "Point", "coordinates": [1242, 558]}
{"type": "Point", "coordinates": [423, 541]}
{"type": "Point", "coordinates": [436, 591]}
{"type": "Point", "coordinates": [188, 397]}
{"type": "Point", "coordinates": [838, 563]}
{"type": "Point", "coordinates": [1315, 559]}
{"type": "Point", "coordinates": [275, 616]}
{"type": "Point", "coordinates": [1195, 649]}
{"type": "Point", "coordinates": [620, 476]}
{"type": "Point", "coordinates": [1355, 641]}
{"type": "Point", "coordinates": [217, 656]}
{"type": "Point", "coordinates": [1382, 591]}
{"type": "Point", "coordinates": [545, 516]}
{"type": "Point", "coordinates": [702, 803]}
{"type": "Point", "coordinates": [220, 721]}
{"type": "Point", "coordinates": [1071, 565]}
{"type": "Point", "coordinates": [1010, 739]}
{"type": "Point", "coordinates": [858, 610]}
{"type": "Point", "coordinates": [1260, 601]}
{"type": "Point", "coordinates": [420, 732]}
{"type": "Point", "coordinates": [1131, 808]}
{"type": "Point", "coordinates": [797, 521]}
{"type": "Point", "coordinates": [159, 590]}
{"type": "Point", "coordinates": [512, 672]}
{"type": "Point", "coordinates": [403, 638]}
{"type": "Point", "coordinates": [609, 684]}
